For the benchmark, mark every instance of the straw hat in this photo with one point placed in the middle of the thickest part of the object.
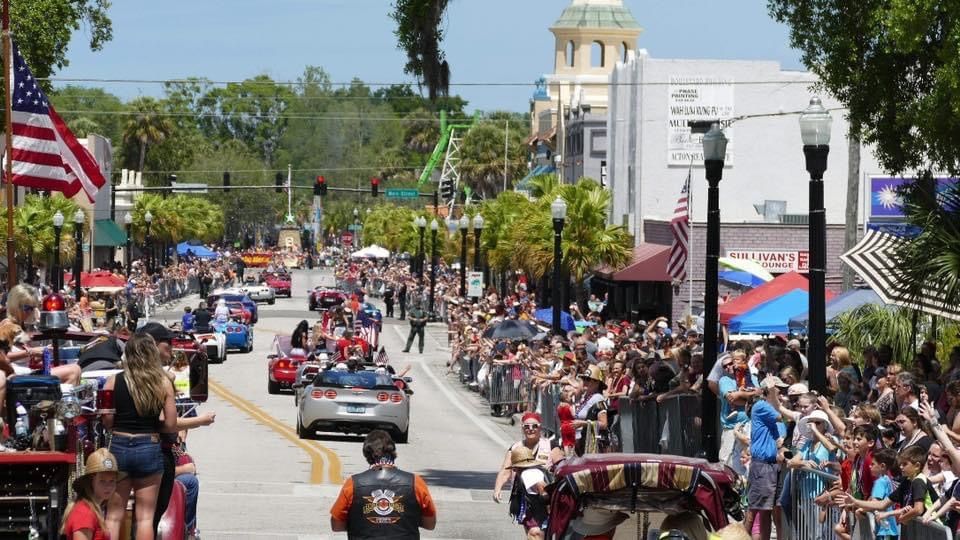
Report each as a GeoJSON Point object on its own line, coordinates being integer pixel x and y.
{"type": "Point", "coordinates": [594, 373]}
{"type": "Point", "coordinates": [99, 461]}
{"type": "Point", "coordinates": [522, 457]}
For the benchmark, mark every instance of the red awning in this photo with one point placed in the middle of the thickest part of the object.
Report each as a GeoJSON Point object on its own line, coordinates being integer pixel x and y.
{"type": "Point", "coordinates": [777, 287]}
{"type": "Point", "coordinates": [649, 263]}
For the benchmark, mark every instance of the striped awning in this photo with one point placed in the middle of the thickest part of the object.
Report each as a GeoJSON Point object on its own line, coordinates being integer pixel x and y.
{"type": "Point", "coordinates": [874, 260]}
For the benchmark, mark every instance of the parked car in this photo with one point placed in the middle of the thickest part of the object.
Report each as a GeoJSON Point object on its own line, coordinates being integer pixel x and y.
{"type": "Point", "coordinates": [323, 298]}
{"type": "Point", "coordinates": [237, 335]}
{"type": "Point", "coordinates": [279, 281]}
{"type": "Point", "coordinates": [282, 365]}
{"type": "Point", "coordinates": [235, 295]}
{"type": "Point", "coordinates": [259, 292]}
{"type": "Point", "coordinates": [358, 402]}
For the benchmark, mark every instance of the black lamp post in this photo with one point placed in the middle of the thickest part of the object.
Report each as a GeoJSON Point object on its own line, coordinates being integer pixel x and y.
{"type": "Point", "coordinates": [148, 218]}
{"type": "Point", "coordinates": [558, 209]}
{"type": "Point", "coordinates": [464, 228]}
{"type": "Point", "coordinates": [78, 219]}
{"type": "Point", "coordinates": [477, 230]}
{"type": "Point", "coordinates": [815, 123]}
{"type": "Point", "coordinates": [433, 261]}
{"type": "Point", "coordinates": [56, 271]}
{"type": "Point", "coordinates": [714, 152]}
{"type": "Point", "coordinates": [356, 227]}
{"type": "Point", "coordinates": [128, 221]}
{"type": "Point", "coordinates": [422, 226]}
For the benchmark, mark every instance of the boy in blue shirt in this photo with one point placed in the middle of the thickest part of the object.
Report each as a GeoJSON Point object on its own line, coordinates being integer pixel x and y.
{"type": "Point", "coordinates": [882, 465]}
{"type": "Point", "coordinates": [186, 323]}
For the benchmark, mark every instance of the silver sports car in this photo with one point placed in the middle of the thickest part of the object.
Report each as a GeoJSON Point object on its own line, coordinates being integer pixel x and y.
{"type": "Point", "coordinates": [353, 402]}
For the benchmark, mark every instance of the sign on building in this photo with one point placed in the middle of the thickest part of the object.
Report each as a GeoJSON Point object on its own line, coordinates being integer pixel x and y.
{"type": "Point", "coordinates": [693, 98]}
{"type": "Point", "coordinates": [886, 202]}
{"type": "Point", "coordinates": [775, 261]}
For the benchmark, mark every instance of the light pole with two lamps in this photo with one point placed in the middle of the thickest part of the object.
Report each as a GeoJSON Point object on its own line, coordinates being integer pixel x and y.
{"type": "Point", "coordinates": [434, 227]}
{"type": "Point", "coordinates": [477, 230]}
{"type": "Point", "coordinates": [815, 123]}
{"type": "Point", "coordinates": [57, 272]}
{"type": "Point", "coordinates": [421, 223]}
{"type": "Point", "coordinates": [78, 219]}
{"type": "Point", "coordinates": [464, 229]}
{"type": "Point", "coordinates": [558, 209]}
{"type": "Point", "coordinates": [128, 221]}
{"type": "Point", "coordinates": [148, 218]}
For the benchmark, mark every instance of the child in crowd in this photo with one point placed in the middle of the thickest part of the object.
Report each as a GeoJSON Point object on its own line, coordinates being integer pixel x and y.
{"type": "Point", "coordinates": [883, 466]}
{"type": "Point", "coordinates": [913, 494]}
{"type": "Point", "coordinates": [84, 516]}
{"type": "Point", "coordinates": [565, 413]}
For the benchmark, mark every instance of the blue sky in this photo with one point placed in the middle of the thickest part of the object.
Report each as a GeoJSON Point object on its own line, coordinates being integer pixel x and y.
{"type": "Point", "coordinates": [486, 41]}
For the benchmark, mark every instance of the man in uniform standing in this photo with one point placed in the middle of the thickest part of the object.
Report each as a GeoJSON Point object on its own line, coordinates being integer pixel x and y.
{"type": "Point", "coordinates": [383, 501]}
{"type": "Point", "coordinates": [388, 298]}
{"type": "Point", "coordinates": [418, 320]}
{"type": "Point", "coordinates": [402, 298]}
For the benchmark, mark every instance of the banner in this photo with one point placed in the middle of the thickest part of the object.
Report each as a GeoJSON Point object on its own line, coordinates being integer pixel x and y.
{"type": "Point", "coordinates": [475, 284]}
{"type": "Point", "coordinates": [697, 98]}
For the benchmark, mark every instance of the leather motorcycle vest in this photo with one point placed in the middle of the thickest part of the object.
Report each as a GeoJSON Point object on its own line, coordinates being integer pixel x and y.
{"type": "Point", "coordinates": [384, 506]}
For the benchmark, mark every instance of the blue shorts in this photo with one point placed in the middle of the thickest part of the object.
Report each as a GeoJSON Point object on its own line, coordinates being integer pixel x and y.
{"type": "Point", "coordinates": [139, 457]}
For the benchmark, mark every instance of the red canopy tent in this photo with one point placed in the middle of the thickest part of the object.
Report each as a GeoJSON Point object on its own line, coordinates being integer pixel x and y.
{"type": "Point", "coordinates": [775, 288]}
{"type": "Point", "coordinates": [103, 278]}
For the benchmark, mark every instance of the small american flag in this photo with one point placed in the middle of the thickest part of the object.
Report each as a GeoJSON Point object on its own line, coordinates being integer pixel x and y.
{"type": "Point", "coordinates": [46, 155]}
{"type": "Point", "coordinates": [336, 357]}
{"type": "Point", "coordinates": [680, 225]}
{"type": "Point", "coordinates": [382, 357]}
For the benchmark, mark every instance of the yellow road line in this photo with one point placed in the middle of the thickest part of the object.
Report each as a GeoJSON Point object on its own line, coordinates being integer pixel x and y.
{"type": "Point", "coordinates": [317, 452]}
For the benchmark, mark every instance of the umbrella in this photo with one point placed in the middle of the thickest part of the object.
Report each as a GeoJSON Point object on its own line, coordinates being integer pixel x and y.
{"type": "Point", "coordinates": [847, 301]}
{"type": "Point", "coordinates": [512, 329]}
{"type": "Point", "coordinates": [101, 278]}
{"type": "Point", "coordinates": [873, 259]}
{"type": "Point", "coordinates": [371, 252]}
{"type": "Point", "coordinates": [739, 278]}
{"type": "Point", "coordinates": [108, 290]}
{"type": "Point", "coordinates": [745, 265]}
{"type": "Point", "coordinates": [772, 316]}
{"type": "Point", "coordinates": [545, 315]}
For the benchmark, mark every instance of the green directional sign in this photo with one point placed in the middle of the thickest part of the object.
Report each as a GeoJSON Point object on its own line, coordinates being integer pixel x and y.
{"type": "Point", "coordinates": [402, 193]}
{"type": "Point", "coordinates": [355, 228]}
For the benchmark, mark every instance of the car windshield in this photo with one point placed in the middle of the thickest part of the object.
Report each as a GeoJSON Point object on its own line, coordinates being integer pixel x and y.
{"type": "Point", "coordinates": [359, 379]}
{"type": "Point", "coordinates": [233, 297]}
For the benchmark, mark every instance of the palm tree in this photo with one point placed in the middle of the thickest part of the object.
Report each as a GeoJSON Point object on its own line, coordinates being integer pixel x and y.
{"type": "Point", "coordinates": [34, 232]}
{"type": "Point", "coordinates": [148, 127]}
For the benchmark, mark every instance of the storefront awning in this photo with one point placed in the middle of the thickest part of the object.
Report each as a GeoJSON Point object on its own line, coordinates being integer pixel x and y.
{"type": "Point", "coordinates": [107, 233]}
{"type": "Point", "coordinates": [649, 263]}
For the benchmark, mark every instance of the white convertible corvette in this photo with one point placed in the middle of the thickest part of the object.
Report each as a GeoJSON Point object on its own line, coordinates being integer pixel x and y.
{"type": "Point", "coordinates": [260, 292]}
{"type": "Point", "coordinates": [215, 344]}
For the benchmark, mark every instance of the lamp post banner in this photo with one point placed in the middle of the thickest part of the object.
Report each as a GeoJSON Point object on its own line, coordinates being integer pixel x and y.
{"type": "Point", "coordinates": [475, 284]}
{"type": "Point", "coordinates": [693, 98]}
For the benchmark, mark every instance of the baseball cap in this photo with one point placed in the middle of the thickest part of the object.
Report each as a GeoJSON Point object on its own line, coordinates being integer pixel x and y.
{"type": "Point", "coordinates": [158, 331]}
{"type": "Point", "coordinates": [661, 324]}
{"type": "Point", "coordinates": [773, 380]}
{"type": "Point", "coordinates": [797, 389]}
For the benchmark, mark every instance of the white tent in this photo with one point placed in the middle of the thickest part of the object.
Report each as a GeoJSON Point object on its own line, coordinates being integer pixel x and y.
{"type": "Point", "coordinates": [371, 252]}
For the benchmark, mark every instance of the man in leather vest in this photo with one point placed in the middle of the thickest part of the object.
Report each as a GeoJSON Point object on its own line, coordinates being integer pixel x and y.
{"type": "Point", "coordinates": [383, 502]}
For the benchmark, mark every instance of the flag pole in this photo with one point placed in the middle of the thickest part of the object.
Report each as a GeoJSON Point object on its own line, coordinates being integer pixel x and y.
{"type": "Point", "coordinates": [690, 243]}
{"type": "Point", "coordinates": [8, 141]}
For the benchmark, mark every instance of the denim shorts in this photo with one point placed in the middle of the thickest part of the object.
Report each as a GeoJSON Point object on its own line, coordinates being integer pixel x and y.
{"type": "Point", "coordinates": [139, 457]}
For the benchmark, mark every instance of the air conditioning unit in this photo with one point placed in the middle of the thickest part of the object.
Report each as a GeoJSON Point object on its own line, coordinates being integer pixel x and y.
{"type": "Point", "coordinates": [795, 219]}
{"type": "Point", "coordinates": [771, 210]}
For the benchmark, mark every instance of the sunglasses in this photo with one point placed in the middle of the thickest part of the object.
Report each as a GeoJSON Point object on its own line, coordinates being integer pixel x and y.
{"type": "Point", "coordinates": [728, 364]}
{"type": "Point", "coordinates": [531, 427]}
{"type": "Point", "coordinates": [28, 308]}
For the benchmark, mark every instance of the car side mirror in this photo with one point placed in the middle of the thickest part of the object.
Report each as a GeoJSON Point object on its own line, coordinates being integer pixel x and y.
{"type": "Point", "coordinates": [408, 379]}
{"type": "Point", "coordinates": [272, 357]}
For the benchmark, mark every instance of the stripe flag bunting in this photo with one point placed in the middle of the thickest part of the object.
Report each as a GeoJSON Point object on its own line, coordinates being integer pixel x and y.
{"type": "Point", "coordinates": [46, 155]}
{"type": "Point", "coordinates": [680, 225]}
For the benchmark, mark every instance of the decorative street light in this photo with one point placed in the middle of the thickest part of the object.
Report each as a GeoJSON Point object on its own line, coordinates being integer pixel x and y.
{"type": "Point", "coordinates": [815, 123]}
{"type": "Point", "coordinates": [148, 217]}
{"type": "Point", "coordinates": [477, 230]}
{"type": "Point", "coordinates": [714, 152]}
{"type": "Point", "coordinates": [434, 227]}
{"type": "Point", "coordinates": [422, 226]}
{"type": "Point", "coordinates": [356, 227]}
{"type": "Point", "coordinates": [128, 221]}
{"type": "Point", "coordinates": [78, 219]}
{"type": "Point", "coordinates": [558, 209]}
{"type": "Point", "coordinates": [451, 225]}
{"type": "Point", "coordinates": [57, 272]}
{"type": "Point", "coordinates": [464, 228]}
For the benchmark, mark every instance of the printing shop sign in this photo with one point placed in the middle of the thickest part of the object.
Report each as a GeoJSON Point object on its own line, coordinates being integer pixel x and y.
{"type": "Point", "coordinates": [697, 98]}
{"type": "Point", "coordinates": [775, 262]}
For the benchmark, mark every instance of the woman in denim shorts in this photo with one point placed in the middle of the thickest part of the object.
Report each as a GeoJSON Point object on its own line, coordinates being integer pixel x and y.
{"type": "Point", "coordinates": [143, 397]}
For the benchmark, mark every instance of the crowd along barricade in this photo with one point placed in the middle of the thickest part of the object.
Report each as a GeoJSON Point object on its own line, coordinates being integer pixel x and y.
{"type": "Point", "coordinates": [808, 520]}
{"type": "Point", "coordinates": [509, 385]}
{"type": "Point", "coordinates": [918, 530]}
{"type": "Point", "coordinates": [670, 427]}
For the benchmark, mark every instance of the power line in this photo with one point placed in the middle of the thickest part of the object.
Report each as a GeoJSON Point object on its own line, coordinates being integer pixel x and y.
{"type": "Point", "coordinates": [270, 171]}
{"type": "Point", "coordinates": [262, 116]}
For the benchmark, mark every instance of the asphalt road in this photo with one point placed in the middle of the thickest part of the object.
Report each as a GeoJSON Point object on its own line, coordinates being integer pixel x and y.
{"type": "Point", "coordinates": [258, 480]}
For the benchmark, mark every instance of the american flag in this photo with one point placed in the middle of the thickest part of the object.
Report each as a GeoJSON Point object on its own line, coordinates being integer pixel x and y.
{"type": "Point", "coordinates": [336, 357]}
{"type": "Point", "coordinates": [46, 155]}
{"type": "Point", "coordinates": [680, 224]}
{"type": "Point", "coordinates": [382, 357]}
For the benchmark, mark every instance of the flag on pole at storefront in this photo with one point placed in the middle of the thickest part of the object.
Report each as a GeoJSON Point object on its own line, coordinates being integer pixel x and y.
{"type": "Point", "coordinates": [680, 225]}
{"type": "Point", "coordinates": [46, 155]}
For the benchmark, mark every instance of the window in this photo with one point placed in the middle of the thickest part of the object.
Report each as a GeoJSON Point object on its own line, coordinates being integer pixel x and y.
{"type": "Point", "coordinates": [623, 51]}
{"type": "Point", "coordinates": [571, 51]}
{"type": "Point", "coordinates": [597, 54]}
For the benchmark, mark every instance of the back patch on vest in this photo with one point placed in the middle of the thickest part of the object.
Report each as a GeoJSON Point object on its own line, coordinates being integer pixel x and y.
{"type": "Point", "coordinates": [383, 507]}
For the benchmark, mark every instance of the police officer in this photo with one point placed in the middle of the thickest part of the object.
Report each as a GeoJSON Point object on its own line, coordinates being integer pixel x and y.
{"type": "Point", "coordinates": [383, 501]}
{"type": "Point", "coordinates": [402, 298]}
{"type": "Point", "coordinates": [418, 320]}
{"type": "Point", "coordinates": [388, 294]}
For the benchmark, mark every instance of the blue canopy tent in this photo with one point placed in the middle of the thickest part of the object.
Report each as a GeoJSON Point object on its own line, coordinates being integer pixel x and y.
{"type": "Point", "coordinates": [847, 301]}
{"type": "Point", "coordinates": [200, 251]}
{"type": "Point", "coordinates": [546, 315]}
{"type": "Point", "coordinates": [771, 317]}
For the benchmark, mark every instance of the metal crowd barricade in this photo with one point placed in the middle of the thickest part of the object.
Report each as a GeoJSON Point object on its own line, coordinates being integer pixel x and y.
{"type": "Point", "coordinates": [547, 400]}
{"type": "Point", "coordinates": [509, 385]}
{"type": "Point", "coordinates": [861, 526]}
{"type": "Point", "coordinates": [671, 427]}
{"type": "Point", "coordinates": [918, 530]}
{"type": "Point", "coordinates": [805, 522]}
{"type": "Point", "coordinates": [639, 425]}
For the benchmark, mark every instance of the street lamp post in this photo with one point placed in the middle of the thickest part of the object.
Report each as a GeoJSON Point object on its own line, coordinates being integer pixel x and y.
{"type": "Point", "coordinates": [815, 123]}
{"type": "Point", "coordinates": [149, 241]}
{"type": "Point", "coordinates": [714, 152]}
{"type": "Point", "coordinates": [422, 226]}
{"type": "Point", "coordinates": [433, 261]}
{"type": "Point", "coordinates": [78, 218]}
{"type": "Point", "coordinates": [57, 272]}
{"type": "Point", "coordinates": [464, 227]}
{"type": "Point", "coordinates": [356, 227]}
{"type": "Point", "coordinates": [477, 230]}
{"type": "Point", "coordinates": [128, 221]}
{"type": "Point", "coordinates": [558, 209]}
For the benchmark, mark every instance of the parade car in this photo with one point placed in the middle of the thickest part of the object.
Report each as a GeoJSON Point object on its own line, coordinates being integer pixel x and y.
{"type": "Point", "coordinates": [353, 402]}
{"type": "Point", "coordinates": [282, 365]}
{"type": "Point", "coordinates": [259, 292]}
{"type": "Point", "coordinates": [237, 335]}
{"type": "Point", "coordinates": [214, 344]}
{"type": "Point", "coordinates": [234, 295]}
{"type": "Point", "coordinates": [240, 312]}
{"type": "Point", "coordinates": [370, 315]}
{"type": "Point", "coordinates": [323, 298]}
{"type": "Point", "coordinates": [280, 282]}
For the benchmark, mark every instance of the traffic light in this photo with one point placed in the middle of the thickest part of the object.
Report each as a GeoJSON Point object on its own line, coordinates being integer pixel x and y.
{"type": "Point", "coordinates": [278, 181]}
{"type": "Point", "coordinates": [374, 187]}
{"type": "Point", "coordinates": [171, 180]}
{"type": "Point", "coordinates": [226, 182]}
{"type": "Point", "coordinates": [446, 189]}
{"type": "Point", "coordinates": [320, 187]}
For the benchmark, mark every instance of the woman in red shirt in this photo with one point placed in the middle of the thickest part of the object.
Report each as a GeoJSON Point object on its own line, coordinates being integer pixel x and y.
{"type": "Point", "coordinates": [83, 519]}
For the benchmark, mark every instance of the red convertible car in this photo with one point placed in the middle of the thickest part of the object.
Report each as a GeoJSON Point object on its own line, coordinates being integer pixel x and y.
{"type": "Point", "coordinates": [280, 282]}
{"type": "Point", "coordinates": [322, 298]}
{"type": "Point", "coordinates": [282, 365]}
{"type": "Point", "coordinates": [238, 311]}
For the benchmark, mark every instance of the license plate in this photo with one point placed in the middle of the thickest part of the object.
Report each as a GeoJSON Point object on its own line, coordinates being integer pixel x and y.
{"type": "Point", "coordinates": [360, 409]}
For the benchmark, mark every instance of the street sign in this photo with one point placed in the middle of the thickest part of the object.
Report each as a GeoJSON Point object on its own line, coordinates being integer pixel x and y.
{"type": "Point", "coordinates": [402, 193]}
{"type": "Point", "coordinates": [475, 284]}
{"type": "Point", "coordinates": [355, 227]}
{"type": "Point", "coordinates": [85, 247]}
{"type": "Point", "coordinates": [346, 238]}
{"type": "Point", "coordinates": [183, 187]}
